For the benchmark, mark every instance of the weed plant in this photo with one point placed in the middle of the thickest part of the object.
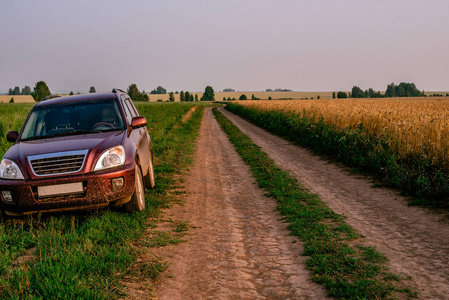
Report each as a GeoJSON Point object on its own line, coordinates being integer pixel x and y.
{"type": "Point", "coordinates": [347, 271]}
{"type": "Point", "coordinates": [359, 149]}
{"type": "Point", "coordinates": [86, 255]}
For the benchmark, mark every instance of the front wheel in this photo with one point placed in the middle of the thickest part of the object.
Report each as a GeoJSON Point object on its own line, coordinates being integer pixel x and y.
{"type": "Point", "coordinates": [137, 202]}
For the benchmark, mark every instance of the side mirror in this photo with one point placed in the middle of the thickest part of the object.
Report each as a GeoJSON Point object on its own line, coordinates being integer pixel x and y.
{"type": "Point", "coordinates": [138, 122]}
{"type": "Point", "coordinates": [12, 136]}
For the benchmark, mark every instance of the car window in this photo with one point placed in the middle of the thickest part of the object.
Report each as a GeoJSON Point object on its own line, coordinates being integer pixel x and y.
{"type": "Point", "coordinates": [128, 115]}
{"type": "Point", "coordinates": [131, 108]}
{"type": "Point", "coordinates": [134, 108]}
{"type": "Point", "coordinates": [73, 118]}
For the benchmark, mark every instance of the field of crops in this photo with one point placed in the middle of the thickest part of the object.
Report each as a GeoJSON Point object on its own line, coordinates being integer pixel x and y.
{"type": "Point", "coordinates": [402, 140]}
{"type": "Point", "coordinates": [16, 98]}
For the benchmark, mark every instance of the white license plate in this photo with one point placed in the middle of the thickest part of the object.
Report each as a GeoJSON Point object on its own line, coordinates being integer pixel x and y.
{"type": "Point", "coordinates": [60, 189]}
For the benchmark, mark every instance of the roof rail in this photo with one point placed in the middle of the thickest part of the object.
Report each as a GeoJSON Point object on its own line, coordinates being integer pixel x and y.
{"type": "Point", "coordinates": [50, 97]}
{"type": "Point", "coordinates": [115, 91]}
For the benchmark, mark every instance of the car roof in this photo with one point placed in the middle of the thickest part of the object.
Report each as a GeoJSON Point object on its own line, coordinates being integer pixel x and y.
{"type": "Point", "coordinates": [78, 98]}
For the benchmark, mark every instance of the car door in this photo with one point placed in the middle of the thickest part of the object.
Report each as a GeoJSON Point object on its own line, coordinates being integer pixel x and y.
{"type": "Point", "coordinates": [139, 134]}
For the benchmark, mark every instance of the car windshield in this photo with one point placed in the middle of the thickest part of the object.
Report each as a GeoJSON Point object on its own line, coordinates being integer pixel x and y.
{"type": "Point", "coordinates": [73, 118]}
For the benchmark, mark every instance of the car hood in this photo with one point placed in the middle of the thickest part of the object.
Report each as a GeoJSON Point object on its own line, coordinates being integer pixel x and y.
{"type": "Point", "coordinates": [95, 143]}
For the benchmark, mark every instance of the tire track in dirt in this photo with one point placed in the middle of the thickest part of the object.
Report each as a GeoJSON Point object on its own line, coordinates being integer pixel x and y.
{"type": "Point", "coordinates": [414, 239]}
{"type": "Point", "coordinates": [238, 247]}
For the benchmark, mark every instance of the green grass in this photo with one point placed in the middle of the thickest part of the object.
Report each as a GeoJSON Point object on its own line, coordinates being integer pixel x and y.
{"type": "Point", "coordinates": [347, 271]}
{"type": "Point", "coordinates": [419, 177]}
{"type": "Point", "coordinates": [11, 118]}
{"type": "Point", "coordinates": [86, 255]}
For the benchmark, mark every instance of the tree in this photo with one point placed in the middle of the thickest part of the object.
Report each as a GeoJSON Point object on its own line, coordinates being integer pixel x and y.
{"type": "Point", "coordinates": [243, 97]}
{"type": "Point", "coordinates": [16, 91]}
{"type": "Point", "coordinates": [133, 91]}
{"type": "Point", "coordinates": [41, 91]}
{"type": "Point", "coordinates": [159, 90]}
{"type": "Point", "coordinates": [171, 97]}
{"type": "Point", "coordinates": [209, 94]}
{"type": "Point", "coordinates": [26, 90]}
{"type": "Point", "coordinates": [135, 94]}
{"type": "Point", "coordinates": [391, 91]}
{"type": "Point", "coordinates": [400, 91]}
{"type": "Point", "coordinates": [188, 96]}
{"type": "Point", "coordinates": [357, 92]}
{"type": "Point", "coordinates": [333, 95]}
{"type": "Point", "coordinates": [10, 92]}
{"type": "Point", "coordinates": [71, 94]}
{"type": "Point", "coordinates": [228, 90]}
{"type": "Point", "coordinates": [196, 97]}
{"type": "Point", "coordinates": [342, 95]}
{"type": "Point", "coordinates": [182, 96]}
{"type": "Point", "coordinates": [404, 89]}
{"type": "Point", "coordinates": [92, 89]}
{"type": "Point", "coordinates": [11, 100]}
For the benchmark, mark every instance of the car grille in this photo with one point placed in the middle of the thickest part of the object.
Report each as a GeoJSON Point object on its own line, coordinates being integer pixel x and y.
{"type": "Point", "coordinates": [57, 163]}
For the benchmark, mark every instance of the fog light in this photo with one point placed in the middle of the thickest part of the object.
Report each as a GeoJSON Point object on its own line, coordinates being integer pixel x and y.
{"type": "Point", "coordinates": [117, 184]}
{"type": "Point", "coordinates": [7, 196]}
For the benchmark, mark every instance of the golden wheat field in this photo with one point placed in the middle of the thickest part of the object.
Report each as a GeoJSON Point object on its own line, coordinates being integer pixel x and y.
{"type": "Point", "coordinates": [17, 98]}
{"type": "Point", "coordinates": [416, 126]}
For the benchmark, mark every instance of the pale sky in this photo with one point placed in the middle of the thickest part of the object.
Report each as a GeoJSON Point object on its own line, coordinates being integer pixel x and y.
{"type": "Point", "coordinates": [247, 45]}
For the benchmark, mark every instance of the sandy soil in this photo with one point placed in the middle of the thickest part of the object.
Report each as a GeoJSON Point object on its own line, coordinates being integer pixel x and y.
{"type": "Point", "coordinates": [414, 239]}
{"type": "Point", "coordinates": [238, 246]}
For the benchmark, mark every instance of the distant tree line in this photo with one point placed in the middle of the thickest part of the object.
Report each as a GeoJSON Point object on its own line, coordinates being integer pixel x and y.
{"type": "Point", "coordinates": [369, 93]}
{"type": "Point", "coordinates": [186, 97]}
{"type": "Point", "coordinates": [228, 90]}
{"type": "Point", "coordinates": [16, 91]}
{"type": "Point", "coordinates": [278, 90]}
{"type": "Point", "coordinates": [404, 89]}
{"type": "Point", "coordinates": [159, 91]}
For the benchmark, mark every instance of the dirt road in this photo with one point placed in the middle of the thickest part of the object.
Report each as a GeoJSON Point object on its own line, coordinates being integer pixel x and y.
{"type": "Point", "coordinates": [239, 248]}
{"type": "Point", "coordinates": [416, 240]}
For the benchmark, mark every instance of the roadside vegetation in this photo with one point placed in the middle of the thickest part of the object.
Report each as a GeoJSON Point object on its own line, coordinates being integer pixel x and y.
{"type": "Point", "coordinates": [339, 259]}
{"type": "Point", "coordinates": [401, 143]}
{"type": "Point", "coordinates": [90, 255]}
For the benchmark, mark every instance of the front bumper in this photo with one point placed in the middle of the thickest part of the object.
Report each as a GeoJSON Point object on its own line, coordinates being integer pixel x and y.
{"type": "Point", "coordinates": [96, 192]}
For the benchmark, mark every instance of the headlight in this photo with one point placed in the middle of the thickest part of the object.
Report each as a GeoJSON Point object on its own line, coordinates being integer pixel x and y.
{"type": "Point", "coordinates": [112, 157]}
{"type": "Point", "coordinates": [9, 170]}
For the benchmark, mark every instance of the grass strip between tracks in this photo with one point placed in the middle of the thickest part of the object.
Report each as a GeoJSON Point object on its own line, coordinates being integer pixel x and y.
{"type": "Point", "coordinates": [91, 255]}
{"type": "Point", "coordinates": [338, 258]}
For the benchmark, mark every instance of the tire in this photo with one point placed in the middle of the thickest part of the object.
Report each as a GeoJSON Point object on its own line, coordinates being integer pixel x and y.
{"type": "Point", "coordinates": [150, 178]}
{"type": "Point", "coordinates": [137, 202]}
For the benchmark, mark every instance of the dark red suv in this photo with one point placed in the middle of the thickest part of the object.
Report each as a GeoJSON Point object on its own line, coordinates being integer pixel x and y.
{"type": "Point", "coordinates": [78, 152]}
